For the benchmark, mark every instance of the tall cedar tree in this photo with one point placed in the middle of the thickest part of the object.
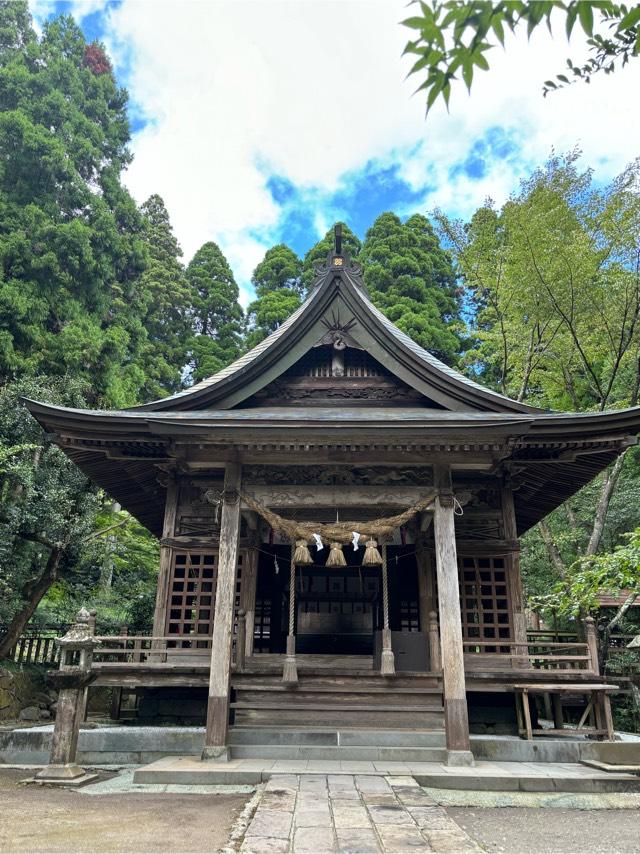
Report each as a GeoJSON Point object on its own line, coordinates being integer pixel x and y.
{"type": "Point", "coordinates": [164, 299]}
{"type": "Point", "coordinates": [69, 232]}
{"type": "Point", "coordinates": [278, 287]}
{"type": "Point", "coordinates": [217, 318]}
{"type": "Point", "coordinates": [411, 279]}
{"type": "Point", "coordinates": [317, 255]}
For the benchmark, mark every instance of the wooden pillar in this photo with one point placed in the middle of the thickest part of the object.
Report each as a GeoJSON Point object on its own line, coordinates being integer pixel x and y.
{"type": "Point", "coordinates": [215, 745]}
{"type": "Point", "coordinates": [426, 592]}
{"type": "Point", "coordinates": [166, 554]}
{"type": "Point", "coordinates": [455, 700]}
{"type": "Point", "coordinates": [249, 582]}
{"type": "Point", "coordinates": [514, 579]}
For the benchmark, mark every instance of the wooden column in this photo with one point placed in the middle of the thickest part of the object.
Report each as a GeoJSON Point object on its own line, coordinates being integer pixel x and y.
{"type": "Point", "coordinates": [455, 700]}
{"type": "Point", "coordinates": [249, 581]}
{"type": "Point", "coordinates": [514, 579]}
{"type": "Point", "coordinates": [215, 745]}
{"type": "Point", "coordinates": [166, 554]}
{"type": "Point", "coordinates": [426, 597]}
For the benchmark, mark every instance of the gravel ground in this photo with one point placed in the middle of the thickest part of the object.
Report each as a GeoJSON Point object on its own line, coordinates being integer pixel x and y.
{"type": "Point", "coordinates": [551, 831]}
{"type": "Point", "coordinates": [44, 819]}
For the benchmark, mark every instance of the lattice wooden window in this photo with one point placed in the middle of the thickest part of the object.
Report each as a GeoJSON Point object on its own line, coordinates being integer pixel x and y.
{"type": "Point", "coordinates": [409, 615]}
{"type": "Point", "coordinates": [262, 625]}
{"type": "Point", "coordinates": [192, 592]}
{"type": "Point", "coordinates": [484, 602]}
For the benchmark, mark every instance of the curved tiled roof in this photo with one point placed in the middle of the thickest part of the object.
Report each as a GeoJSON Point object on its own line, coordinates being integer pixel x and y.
{"type": "Point", "coordinates": [454, 390]}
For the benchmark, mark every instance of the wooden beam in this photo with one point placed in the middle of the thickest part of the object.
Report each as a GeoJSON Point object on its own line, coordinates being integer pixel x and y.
{"type": "Point", "coordinates": [455, 700]}
{"type": "Point", "coordinates": [166, 554]}
{"type": "Point", "coordinates": [215, 745]}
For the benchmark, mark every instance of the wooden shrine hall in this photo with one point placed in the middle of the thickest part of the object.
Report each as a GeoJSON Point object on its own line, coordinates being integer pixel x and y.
{"type": "Point", "coordinates": [339, 515]}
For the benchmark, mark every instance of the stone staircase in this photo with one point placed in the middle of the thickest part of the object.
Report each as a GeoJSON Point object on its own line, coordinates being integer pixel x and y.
{"type": "Point", "coordinates": [350, 744]}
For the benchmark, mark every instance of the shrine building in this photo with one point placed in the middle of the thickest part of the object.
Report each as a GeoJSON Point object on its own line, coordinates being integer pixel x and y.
{"type": "Point", "coordinates": [339, 516]}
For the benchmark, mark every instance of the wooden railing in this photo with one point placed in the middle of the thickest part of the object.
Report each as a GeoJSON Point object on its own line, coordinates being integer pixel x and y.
{"type": "Point", "coordinates": [538, 655]}
{"type": "Point", "coordinates": [36, 649]}
{"type": "Point", "coordinates": [152, 649]}
{"type": "Point", "coordinates": [617, 640]}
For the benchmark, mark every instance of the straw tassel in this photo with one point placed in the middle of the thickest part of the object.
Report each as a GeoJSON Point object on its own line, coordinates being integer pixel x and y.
{"type": "Point", "coordinates": [302, 555]}
{"type": "Point", "coordinates": [336, 557]}
{"type": "Point", "coordinates": [372, 556]}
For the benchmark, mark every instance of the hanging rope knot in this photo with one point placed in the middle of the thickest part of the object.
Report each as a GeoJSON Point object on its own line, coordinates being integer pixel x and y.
{"type": "Point", "coordinates": [302, 555]}
{"type": "Point", "coordinates": [372, 556]}
{"type": "Point", "coordinates": [457, 507]}
{"type": "Point", "coordinates": [336, 557]}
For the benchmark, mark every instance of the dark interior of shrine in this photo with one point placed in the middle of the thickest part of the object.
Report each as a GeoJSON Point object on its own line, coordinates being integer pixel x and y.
{"type": "Point", "coordinates": [338, 608]}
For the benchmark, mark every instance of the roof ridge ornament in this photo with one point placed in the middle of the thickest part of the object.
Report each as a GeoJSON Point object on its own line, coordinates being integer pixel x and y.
{"type": "Point", "coordinates": [339, 259]}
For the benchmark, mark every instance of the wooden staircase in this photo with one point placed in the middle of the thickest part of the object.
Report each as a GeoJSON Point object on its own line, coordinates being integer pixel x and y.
{"type": "Point", "coordinates": [338, 700]}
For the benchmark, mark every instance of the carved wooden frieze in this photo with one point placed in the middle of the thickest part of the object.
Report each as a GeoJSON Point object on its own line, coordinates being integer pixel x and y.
{"type": "Point", "coordinates": [399, 497]}
{"type": "Point", "coordinates": [339, 475]}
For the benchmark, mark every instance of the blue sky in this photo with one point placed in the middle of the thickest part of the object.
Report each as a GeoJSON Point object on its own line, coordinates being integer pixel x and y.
{"type": "Point", "coordinates": [264, 121]}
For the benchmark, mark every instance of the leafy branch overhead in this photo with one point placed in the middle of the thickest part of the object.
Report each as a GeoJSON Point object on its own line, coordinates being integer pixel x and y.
{"type": "Point", "coordinates": [451, 40]}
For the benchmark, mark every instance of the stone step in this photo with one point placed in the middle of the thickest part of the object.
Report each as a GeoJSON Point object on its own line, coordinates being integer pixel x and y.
{"type": "Point", "coordinates": [517, 776]}
{"type": "Point", "coordinates": [371, 737]}
{"type": "Point", "coordinates": [340, 752]}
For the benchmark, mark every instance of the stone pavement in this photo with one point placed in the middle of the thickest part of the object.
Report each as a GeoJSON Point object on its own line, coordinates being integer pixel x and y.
{"type": "Point", "coordinates": [350, 814]}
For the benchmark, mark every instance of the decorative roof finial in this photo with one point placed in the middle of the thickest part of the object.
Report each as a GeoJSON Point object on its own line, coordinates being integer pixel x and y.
{"type": "Point", "coordinates": [338, 238]}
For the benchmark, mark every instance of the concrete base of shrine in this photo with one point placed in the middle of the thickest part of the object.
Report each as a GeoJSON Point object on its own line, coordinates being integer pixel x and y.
{"type": "Point", "coordinates": [135, 745]}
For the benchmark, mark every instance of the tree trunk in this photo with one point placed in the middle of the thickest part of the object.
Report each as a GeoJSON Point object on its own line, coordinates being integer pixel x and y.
{"type": "Point", "coordinates": [34, 592]}
{"type": "Point", "coordinates": [110, 545]}
{"type": "Point", "coordinates": [608, 485]}
{"type": "Point", "coordinates": [552, 549]}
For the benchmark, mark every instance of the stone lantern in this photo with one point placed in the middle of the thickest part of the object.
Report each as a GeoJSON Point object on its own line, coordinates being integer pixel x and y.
{"type": "Point", "coordinates": [71, 680]}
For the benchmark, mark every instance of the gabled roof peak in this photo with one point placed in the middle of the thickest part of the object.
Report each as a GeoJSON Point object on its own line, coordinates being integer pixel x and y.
{"type": "Point", "coordinates": [339, 289]}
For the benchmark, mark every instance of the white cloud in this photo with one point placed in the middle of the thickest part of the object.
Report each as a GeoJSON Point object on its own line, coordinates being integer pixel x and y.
{"type": "Point", "coordinates": [313, 89]}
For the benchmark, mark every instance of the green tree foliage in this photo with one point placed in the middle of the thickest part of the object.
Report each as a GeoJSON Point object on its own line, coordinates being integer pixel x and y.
{"type": "Point", "coordinates": [217, 317]}
{"type": "Point", "coordinates": [163, 300]}
{"type": "Point", "coordinates": [452, 39]}
{"type": "Point", "coordinates": [129, 554]}
{"type": "Point", "coordinates": [317, 255]}
{"type": "Point", "coordinates": [46, 507]}
{"type": "Point", "coordinates": [278, 287]}
{"type": "Point", "coordinates": [591, 576]}
{"type": "Point", "coordinates": [55, 527]}
{"type": "Point", "coordinates": [554, 280]}
{"type": "Point", "coordinates": [411, 279]}
{"type": "Point", "coordinates": [69, 232]}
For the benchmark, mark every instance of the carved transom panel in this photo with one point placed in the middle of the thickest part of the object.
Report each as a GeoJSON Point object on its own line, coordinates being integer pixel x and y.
{"type": "Point", "coordinates": [338, 475]}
